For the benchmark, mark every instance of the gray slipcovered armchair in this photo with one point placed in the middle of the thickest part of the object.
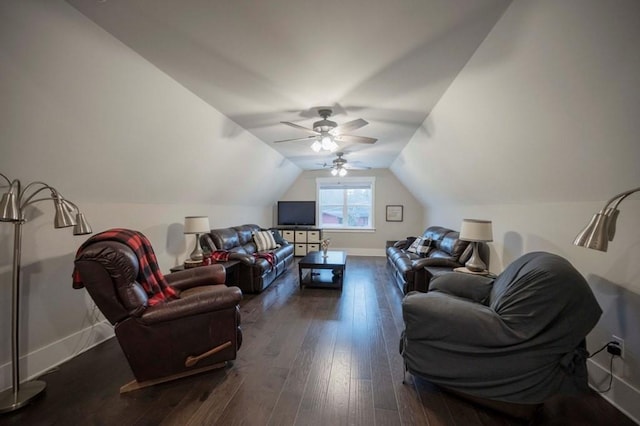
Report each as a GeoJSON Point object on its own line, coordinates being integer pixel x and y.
{"type": "Point", "coordinates": [517, 339]}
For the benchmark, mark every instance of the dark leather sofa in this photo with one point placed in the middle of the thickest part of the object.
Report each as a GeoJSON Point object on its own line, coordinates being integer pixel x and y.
{"type": "Point", "coordinates": [254, 273]}
{"type": "Point", "coordinates": [411, 272]}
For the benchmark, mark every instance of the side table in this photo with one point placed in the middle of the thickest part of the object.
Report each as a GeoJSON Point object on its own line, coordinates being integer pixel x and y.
{"type": "Point", "coordinates": [230, 266]}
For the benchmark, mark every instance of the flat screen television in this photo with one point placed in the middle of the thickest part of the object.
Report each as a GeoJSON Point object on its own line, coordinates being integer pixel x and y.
{"type": "Point", "coordinates": [296, 213]}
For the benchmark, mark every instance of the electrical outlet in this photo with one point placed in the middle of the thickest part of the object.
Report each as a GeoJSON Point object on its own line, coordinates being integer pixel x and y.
{"type": "Point", "coordinates": [620, 342]}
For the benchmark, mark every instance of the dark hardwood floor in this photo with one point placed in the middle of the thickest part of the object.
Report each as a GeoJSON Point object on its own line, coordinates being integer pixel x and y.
{"type": "Point", "coordinates": [309, 357]}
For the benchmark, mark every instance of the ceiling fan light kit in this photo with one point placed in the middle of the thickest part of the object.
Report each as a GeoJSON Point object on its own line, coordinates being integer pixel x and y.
{"type": "Point", "coordinates": [326, 143]}
{"type": "Point", "coordinates": [339, 166]}
{"type": "Point", "coordinates": [325, 132]}
{"type": "Point", "coordinates": [339, 171]}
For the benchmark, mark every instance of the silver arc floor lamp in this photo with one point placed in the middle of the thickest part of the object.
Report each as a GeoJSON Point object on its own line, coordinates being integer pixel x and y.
{"type": "Point", "coordinates": [12, 208]}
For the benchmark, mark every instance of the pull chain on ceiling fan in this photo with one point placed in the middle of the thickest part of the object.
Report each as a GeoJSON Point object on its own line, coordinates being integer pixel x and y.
{"type": "Point", "coordinates": [327, 133]}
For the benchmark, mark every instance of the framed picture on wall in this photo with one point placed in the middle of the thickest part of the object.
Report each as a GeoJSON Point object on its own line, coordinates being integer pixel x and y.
{"type": "Point", "coordinates": [394, 213]}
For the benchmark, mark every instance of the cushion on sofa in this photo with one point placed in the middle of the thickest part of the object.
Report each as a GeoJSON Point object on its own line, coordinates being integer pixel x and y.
{"type": "Point", "coordinates": [404, 244]}
{"type": "Point", "coordinates": [453, 245]}
{"type": "Point", "coordinates": [467, 286]}
{"type": "Point", "coordinates": [225, 238]}
{"type": "Point", "coordinates": [245, 233]}
{"type": "Point", "coordinates": [277, 236]}
{"type": "Point", "coordinates": [420, 246]}
{"type": "Point", "coordinates": [413, 248]}
{"type": "Point", "coordinates": [436, 233]}
{"type": "Point", "coordinates": [264, 240]}
{"type": "Point", "coordinates": [436, 261]}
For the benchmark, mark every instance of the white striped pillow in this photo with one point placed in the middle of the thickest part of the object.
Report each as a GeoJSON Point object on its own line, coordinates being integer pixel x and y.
{"type": "Point", "coordinates": [264, 240]}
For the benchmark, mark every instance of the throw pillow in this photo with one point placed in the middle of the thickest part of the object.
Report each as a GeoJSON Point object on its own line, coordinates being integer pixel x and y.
{"type": "Point", "coordinates": [407, 242]}
{"type": "Point", "coordinates": [278, 237]}
{"type": "Point", "coordinates": [264, 240]}
{"type": "Point", "coordinates": [425, 247]}
{"type": "Point", "coordinates": [413, 248]}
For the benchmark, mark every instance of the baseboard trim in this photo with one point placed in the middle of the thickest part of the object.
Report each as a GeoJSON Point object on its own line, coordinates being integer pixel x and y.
{"type": "Point", "coordinates": [362, 251]}
{"type": "Point", "coordinates": [622, 395]}
{"type": "Point", "coordinates": [44, 359]}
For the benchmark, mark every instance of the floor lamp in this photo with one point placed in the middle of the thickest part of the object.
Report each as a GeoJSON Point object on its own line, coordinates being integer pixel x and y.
{"type": "Point", "coordinates": [12, 208]}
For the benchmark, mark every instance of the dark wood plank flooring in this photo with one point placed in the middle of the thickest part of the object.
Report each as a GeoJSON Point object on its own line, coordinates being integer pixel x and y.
{"type": "Point", "coordinates": [309, 357]}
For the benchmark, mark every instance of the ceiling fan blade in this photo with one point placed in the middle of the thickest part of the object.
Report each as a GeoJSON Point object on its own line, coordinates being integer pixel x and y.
{"type": "Point", "coordinates": [355, 139]}
{"type": "Point", "coordinates": [306, 138]}
{"type": "Point", "coordinates": [349, 126]}
{"type": "Point", "coordinates": [297, 126]}
{"type": "Point", "coordinates": [357, 167]}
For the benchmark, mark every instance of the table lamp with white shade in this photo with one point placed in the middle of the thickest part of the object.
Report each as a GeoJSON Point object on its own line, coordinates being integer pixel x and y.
{"type": "Point", "coordinates": [476, 231]}
{"type": "Point", "coordinates": [196, 225]}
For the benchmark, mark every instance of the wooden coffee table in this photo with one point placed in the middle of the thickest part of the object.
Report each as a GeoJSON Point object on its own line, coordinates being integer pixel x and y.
{"type": "Point", "coordinates": [322, 271]}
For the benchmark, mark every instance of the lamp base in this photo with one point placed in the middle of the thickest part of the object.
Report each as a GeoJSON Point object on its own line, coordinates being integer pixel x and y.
{"type": "Point", "coordinates": [197, 254]}
{"type": "Point", "coordinates": [10, 400]}
{"type": "Point", "coordinates": [475, 264]}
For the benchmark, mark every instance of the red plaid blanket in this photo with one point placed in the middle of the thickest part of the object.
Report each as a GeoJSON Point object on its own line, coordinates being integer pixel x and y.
{"type": "Point", "coordinates": [149, 274]}
{"type": "Point", "coordinates": [220, 255]}
{"type": "Point", "coordinates": [269, 257]}
{"type": "Point", "coordinates": [223, 256]}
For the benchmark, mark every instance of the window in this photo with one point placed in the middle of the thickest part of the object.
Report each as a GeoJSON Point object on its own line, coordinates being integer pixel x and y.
{"type": "Point", "coordinates": [346, 203]}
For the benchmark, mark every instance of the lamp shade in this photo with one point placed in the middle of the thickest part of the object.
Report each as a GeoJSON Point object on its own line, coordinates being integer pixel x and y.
{"type": "Point", "coordinates": [82, 226]}
{"type": "Point", "coordinates": [196, 224]}
{"type": "Point", "coordinates": [596, 234]}
{"type": "Point", "coordinates": [602, 228]}
{"type": "Point", "coordinates": [9, 207]}
{"type": "Point", "coordinates": [476, 230]}
{"type": "Point", "coordinates": [63, 217]}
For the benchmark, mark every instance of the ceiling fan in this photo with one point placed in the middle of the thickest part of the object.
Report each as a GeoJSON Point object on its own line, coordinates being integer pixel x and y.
{"type": "Point", "coordinates": [326, 133]}
{"type": "Point", "coordinates": [339, 165]}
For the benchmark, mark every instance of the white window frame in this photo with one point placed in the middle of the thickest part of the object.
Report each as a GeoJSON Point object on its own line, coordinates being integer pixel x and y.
{"type": "Point", "coordinates": [346, 183]}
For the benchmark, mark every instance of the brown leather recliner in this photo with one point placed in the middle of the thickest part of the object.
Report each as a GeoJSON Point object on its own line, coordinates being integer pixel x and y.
{"type": "Point", "coordinates": [197, 332]}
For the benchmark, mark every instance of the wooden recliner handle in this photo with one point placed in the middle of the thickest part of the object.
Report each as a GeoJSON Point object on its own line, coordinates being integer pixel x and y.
{"type": "Point", "coordinates": [193, 360]}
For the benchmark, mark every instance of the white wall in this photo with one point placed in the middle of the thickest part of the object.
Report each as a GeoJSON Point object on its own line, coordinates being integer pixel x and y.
{"type": "Point", "coordinates": [125, 142]}
{"type": "Point", "coordinates": [83, 112]}
{"type": "Point", "coordinates": [389, 191]}
{"type": "Point", "coordinates": [542, 126]}
{"type": "Point", "coordinates": [552, 93]}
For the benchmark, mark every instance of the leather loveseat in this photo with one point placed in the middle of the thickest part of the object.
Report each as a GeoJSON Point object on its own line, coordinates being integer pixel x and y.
{"type": "Point", "coordinates": [413, 271]}
{"type": "Point", "coordinates": [255, 271]}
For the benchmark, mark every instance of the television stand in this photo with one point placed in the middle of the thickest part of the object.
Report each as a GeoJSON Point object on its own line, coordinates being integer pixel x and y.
{"type": "Point", "coordinates": [304, 238]}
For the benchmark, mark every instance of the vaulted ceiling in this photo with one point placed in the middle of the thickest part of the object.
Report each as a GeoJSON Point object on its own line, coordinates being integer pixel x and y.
{"type": "Point", "coordinates": [177, 102]}
{"type": "Point", "coordinates": [263, 62]}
